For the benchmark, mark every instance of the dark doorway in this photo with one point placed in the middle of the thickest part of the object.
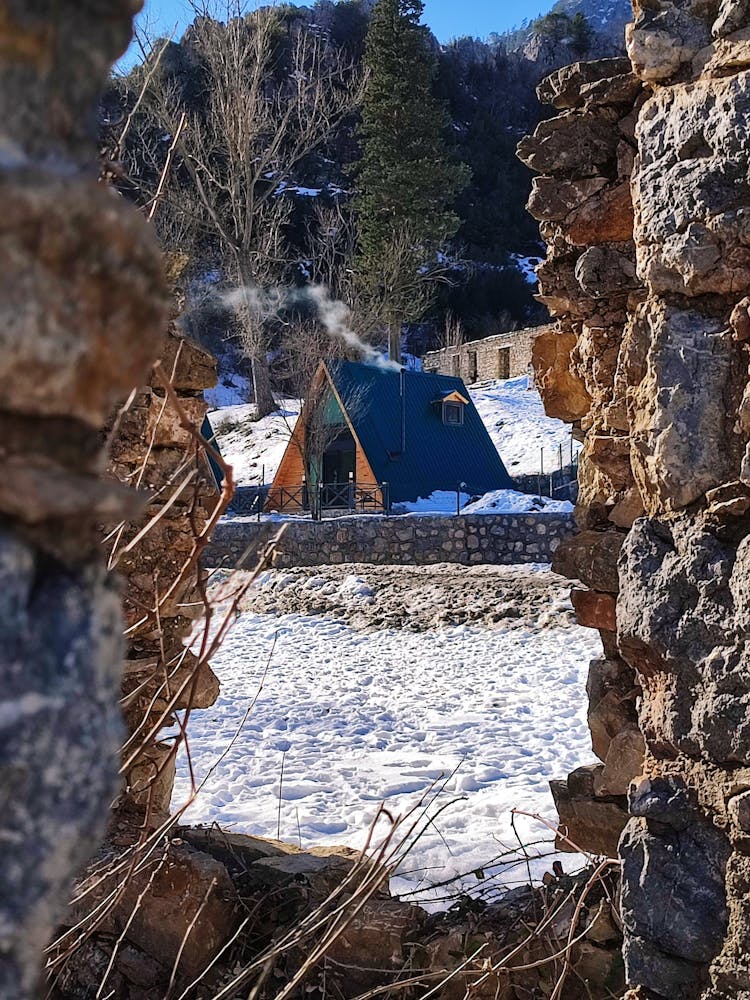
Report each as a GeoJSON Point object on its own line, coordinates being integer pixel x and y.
{"type": "Point", "coordinates": [339, 469]}
{"type": "Point", "coordinates": [503, 363]}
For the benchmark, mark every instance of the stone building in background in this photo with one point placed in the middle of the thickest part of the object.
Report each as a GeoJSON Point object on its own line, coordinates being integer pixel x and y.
{"type": "Point", "coordinates": [504, 356]}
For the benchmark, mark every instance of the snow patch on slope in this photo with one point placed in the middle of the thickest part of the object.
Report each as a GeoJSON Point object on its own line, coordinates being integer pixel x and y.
{"type": "Point", "coordinates": [254, 448]}
{"type": "Point", "coordinates": [527, 266]}
{"type": "Point", "coordinates": [514, 415]}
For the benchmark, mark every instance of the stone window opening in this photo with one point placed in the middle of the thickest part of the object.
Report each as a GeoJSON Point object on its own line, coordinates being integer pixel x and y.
{"type": "Point", "coordinates": [503, 363]}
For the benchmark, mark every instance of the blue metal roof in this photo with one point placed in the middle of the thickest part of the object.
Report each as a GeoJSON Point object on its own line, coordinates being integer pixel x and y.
{"type": "Point", "coordinates": [435, 455]}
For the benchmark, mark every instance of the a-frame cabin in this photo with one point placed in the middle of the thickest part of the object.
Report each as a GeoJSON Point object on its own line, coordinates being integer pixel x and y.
{"type": "Point", "coordinates": [417, 432]}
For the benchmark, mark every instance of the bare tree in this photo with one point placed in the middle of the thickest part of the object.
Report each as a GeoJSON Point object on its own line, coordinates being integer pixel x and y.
{"type": "Point", "coordinates": [332, 241]}
{"type": "Point", "coordinates": [405, 286]}
{"type": "Point", "coordinates": [305, 343]}
{"type": "Point", "coordinates": [263, 115]}
{"type": "Point", "coordinates": [453, 333]}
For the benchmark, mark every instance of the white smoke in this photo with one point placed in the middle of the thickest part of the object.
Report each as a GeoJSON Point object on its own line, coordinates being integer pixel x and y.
{"type": "Point", "coordinates": [334, 315]}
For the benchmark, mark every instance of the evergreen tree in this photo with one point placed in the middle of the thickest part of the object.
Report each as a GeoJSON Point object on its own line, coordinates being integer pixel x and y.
{"type": "Point", "coordinates": [554, 25]}
{"type": "Point", "coordinates": [407, 180]}
{"type": "Point", "coordinates": [581, 34]}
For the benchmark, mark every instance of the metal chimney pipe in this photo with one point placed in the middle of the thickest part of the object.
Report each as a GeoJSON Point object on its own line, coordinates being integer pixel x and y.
{"type": "Point", "coordinates": [403, 411]}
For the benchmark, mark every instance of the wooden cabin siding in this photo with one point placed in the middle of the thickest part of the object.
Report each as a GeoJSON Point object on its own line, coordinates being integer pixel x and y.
{"type": "Point", "coordinates": [365, 476]}
{"type": "Point", "coordinates": [290, 474]}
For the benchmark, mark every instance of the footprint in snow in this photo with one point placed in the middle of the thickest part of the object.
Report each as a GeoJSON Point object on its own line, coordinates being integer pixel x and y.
{"type": "Point", "coordinates": [292, 793]}
{"type": "Point", "coordinates": [327, 827]}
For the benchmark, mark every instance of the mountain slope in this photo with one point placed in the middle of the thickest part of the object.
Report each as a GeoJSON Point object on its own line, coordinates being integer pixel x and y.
{"type": "Point", "coordinates": [607, 17]}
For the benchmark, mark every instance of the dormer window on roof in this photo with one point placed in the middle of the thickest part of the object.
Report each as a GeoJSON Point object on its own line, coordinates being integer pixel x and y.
{"type": "Point", "coordinates": [453, 404]}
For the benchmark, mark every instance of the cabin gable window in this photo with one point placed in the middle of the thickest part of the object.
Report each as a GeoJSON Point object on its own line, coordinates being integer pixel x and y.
{"type": "Point", "coordinates": [453, 413]}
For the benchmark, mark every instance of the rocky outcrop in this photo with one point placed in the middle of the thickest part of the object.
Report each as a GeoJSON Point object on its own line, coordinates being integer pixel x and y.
{"type": "Point", "coordinates": [82, 307]}
{"type": "Point", "coordinates": [654, 326]}
{"type": "Point", "coordinates": [219, 914]}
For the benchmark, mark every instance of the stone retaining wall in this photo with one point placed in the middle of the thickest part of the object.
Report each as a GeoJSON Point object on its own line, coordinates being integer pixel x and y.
{"type": "Point", "coordinates": [467, 539]}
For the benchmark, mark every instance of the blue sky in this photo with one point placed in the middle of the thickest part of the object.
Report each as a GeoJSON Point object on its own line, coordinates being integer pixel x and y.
{"type": "Point", "coordinates": [447, 18]}
{"type": "Point", "coordinates": [450, 18]}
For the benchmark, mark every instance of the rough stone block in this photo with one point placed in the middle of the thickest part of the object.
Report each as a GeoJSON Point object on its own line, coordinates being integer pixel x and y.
{"type": "Point", "coordinates": [67, 243]}
{"type": "Point", "coordinates": [685, 866]}
{"type": "Point", "coordinates": [572, 144]}
{"type": "Point", "coordinates": [739, 811]}
{"type": "Point", "coordinates": [190, 898]}
{"type": "Point", "coordinates": [665, 37]}
{"type": "Point", "coordinates": [562, 89]}
{"type": "Point", "coordinates": [595, 610]}
{"type": "Point", "coordinates": [606, 217]}
{"type": "Point", "coordinates": [612, 690]}
{"type": "Point", "coordinates": [590, 824]}
{"type": "Point", "coordinates": [591, 557]}
{"type": "Point", "coordinates": [565, 395]}
{"type": "Point", "coordinates": [623, 764]}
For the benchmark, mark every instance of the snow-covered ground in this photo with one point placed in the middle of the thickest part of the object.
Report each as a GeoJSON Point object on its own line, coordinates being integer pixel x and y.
{"type": "Point", "coordinates": [527, 266]}
{"type": "Point", "coordinates": [513, 502]}
{"type": "Point", "coordinates": [254, 448]}
{"type": "Point", "coordinates": [232, 390]}
{"type": "Point", "coordinates": [358, 717]}
{"type": "Point", "coordinates": [511, 411]}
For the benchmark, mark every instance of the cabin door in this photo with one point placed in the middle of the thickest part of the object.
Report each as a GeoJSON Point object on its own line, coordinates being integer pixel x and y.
{"type": "Point", "coordinates": [339, 469]}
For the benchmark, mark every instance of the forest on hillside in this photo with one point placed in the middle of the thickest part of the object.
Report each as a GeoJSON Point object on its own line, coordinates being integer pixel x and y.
{"type": "Point", "coordinates": [247, 143]}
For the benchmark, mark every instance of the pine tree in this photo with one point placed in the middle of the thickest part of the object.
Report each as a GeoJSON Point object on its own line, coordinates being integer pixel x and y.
{"type": "Point", "coordinates": [406, 179]}
{"type": "Point", "coordinates": [581, 34]}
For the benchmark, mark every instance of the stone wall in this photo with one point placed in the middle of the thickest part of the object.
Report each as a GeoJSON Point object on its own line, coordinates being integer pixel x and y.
{"type": "Point", "coordinates": [150, 449]}
{"type": "Point", "coordinates": [318, 922]}
{"type": "Point", "coordinates": [644, 201]}
{"type": "Point", "coordinates": [588, 280]}
{"type": "Point", "coordinates": [499, 539]}
{"type": "Point", "coordinates": [82, 311]}
{"type": "Point", "coordinates": [506, 355]}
